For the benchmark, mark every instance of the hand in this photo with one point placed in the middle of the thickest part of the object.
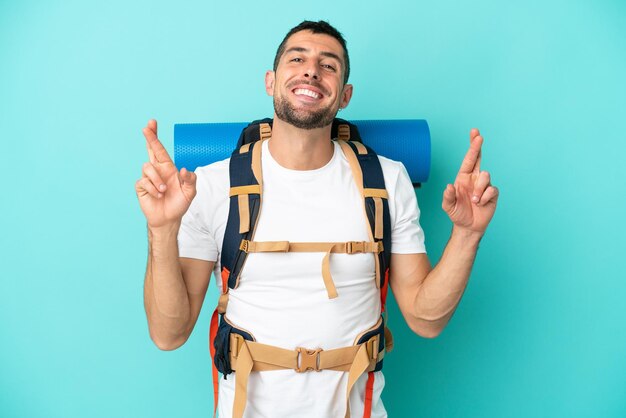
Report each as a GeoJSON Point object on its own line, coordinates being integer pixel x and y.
{"type": "Point", "coordinates": [471, 201]}
{"type": "Point", "coordinates": [164, 193]}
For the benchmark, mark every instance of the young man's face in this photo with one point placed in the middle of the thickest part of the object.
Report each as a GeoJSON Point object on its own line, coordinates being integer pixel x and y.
{"type": "Point", "coordinates": [308, 86]}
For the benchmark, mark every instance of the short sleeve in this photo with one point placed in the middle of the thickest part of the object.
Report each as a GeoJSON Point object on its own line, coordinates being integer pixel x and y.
{"type": "Point", "coordinates": [196, 236]}
{"type": "Point", "coordinates": [194, 239]}
{"type": "Point", "coordinates": [407, 236]}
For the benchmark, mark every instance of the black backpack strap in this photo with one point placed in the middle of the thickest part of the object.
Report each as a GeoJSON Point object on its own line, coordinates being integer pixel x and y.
{"type": "Point", "coordinates": [246, 186]}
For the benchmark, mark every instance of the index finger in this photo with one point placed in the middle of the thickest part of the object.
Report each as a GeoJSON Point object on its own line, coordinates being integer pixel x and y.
{"type": "Point", "coordinates": [471, 162]}
{"type": "Point", "coordinates": [156, 149]}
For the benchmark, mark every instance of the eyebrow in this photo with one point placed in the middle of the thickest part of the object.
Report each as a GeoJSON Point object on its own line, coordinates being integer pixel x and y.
{"type": "Point", "coordinates": [323, 53]}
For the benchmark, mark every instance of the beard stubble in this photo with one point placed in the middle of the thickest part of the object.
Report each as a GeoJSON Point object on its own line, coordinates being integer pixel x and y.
{"type": "Point", "coordinates": [303, 119]}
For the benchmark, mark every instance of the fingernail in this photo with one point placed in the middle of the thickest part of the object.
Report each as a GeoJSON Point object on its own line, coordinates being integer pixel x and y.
{"type": "Point", "coordinates": [475, 199]}
{"type": "Point", "coordinates": [162, 187]}
{"type": "Point", "coordinates": [160, 195]}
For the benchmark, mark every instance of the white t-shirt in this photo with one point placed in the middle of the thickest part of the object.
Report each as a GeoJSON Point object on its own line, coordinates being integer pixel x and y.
{"type": "Point", "coordinates": [281, 298]}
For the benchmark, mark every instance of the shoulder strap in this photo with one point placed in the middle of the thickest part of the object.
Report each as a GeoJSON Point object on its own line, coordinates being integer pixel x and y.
{"type": "Point", "coordinates": [246, 188]}
{"type": "Point", "coordinates": [368, 175]}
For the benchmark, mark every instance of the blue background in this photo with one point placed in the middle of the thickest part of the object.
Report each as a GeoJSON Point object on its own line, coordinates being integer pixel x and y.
{"type": "Point", "coordinates": [541, 331]}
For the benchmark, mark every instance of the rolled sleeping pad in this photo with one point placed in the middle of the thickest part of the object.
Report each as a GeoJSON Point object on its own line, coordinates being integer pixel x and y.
{"type": "Point", "coordinates": [408, 141]}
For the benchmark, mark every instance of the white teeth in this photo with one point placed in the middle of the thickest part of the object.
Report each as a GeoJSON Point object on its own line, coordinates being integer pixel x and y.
{"type": "Point", "coordinates": [306, 93]}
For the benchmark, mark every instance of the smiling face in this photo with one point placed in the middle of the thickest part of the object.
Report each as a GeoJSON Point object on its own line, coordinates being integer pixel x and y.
{"type": "Point", "coordinates": [308, 87]}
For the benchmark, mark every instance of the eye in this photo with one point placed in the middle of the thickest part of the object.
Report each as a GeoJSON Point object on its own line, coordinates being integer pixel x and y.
{"type": "Point", "coordinates": [296, 59]}
{"type": "Point", "coordinates": [329, 67]}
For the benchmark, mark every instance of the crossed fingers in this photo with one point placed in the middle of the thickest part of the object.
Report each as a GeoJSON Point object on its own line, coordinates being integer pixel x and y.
{"type": "Point", "coordinates": [483, 192]}
{"type": "Point", "coordinates": [151, 181]}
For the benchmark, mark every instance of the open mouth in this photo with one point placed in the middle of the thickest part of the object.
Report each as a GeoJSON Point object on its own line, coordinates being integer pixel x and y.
{"type": "Point", "coordinates": [307, 93]}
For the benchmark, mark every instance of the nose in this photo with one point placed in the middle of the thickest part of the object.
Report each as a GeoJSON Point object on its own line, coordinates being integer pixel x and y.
{"type": "Point", "coordinates": [312, 72]}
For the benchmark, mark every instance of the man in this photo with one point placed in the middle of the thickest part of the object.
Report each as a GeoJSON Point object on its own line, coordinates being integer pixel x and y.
{"type": "Point", "coordinates": [309, 195]}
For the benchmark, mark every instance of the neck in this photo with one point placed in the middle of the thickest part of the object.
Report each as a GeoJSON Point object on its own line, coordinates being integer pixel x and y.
{"type": "Point", "coordinates": [300, 149]}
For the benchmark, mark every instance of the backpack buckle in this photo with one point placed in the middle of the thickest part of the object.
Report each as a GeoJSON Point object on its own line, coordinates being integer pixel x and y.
{"type": "Point", "coordinates": [307, 360]}
{"type": "Point", "coordinates": [244, 245]}
{"type": "Point", "coordinates": [353, 247]}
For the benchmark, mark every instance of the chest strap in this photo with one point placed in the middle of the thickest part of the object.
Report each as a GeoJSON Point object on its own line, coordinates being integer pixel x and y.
{"type": "Point", "coordinates": [350, 247]}
{"type": "Point", "coordinates": [247, 356]}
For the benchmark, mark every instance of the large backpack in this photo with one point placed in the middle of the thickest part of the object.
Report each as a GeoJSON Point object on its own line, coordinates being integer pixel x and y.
{"type": "Point", "coordinates": [245, 205]}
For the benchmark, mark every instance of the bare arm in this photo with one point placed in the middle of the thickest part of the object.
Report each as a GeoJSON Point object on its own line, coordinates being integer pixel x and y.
{"type": "Point", "coordinates": [174, 287]}
{"type": "Point", "coordinates": [428, 297]}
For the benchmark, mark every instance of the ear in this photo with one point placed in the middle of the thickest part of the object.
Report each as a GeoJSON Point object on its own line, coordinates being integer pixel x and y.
{"type": "Point", "coordinates": [346, 95]}
{"type": "Point", "coordinates": [270, 77]}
